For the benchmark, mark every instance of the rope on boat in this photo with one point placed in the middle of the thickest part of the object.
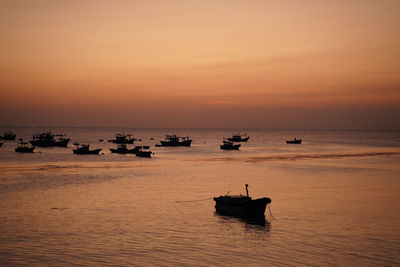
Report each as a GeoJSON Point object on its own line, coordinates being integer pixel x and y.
{"type": "Point", "coordinates": [196, 200]}
{"type": "Point", "coordinates": [178, 201]}
{"type": "Point", "coordinates": [270, 213]}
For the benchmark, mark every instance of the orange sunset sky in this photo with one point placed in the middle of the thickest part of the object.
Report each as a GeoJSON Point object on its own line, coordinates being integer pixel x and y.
{"type": "Point", "coordinates": [237, 64]}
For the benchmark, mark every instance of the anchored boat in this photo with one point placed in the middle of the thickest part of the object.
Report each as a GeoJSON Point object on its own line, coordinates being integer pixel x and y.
{"type": "Point", "coordinates": [242, 206]}
{"type": "Point", "coordinates": [84, 150]}
{"type": "Point", "coordinates": [123, 139]}
{"type": "Point", "coordinates": [142, 151]}
{"type": "Point", "coordinates": [123, 149]}
{"type": "Point", "coordinates": [239, 138]}
{"type": "Point", "coordinates": [8, 136]}
{"type": "Point", "coordinates": [294, 141]}
{"type": "Point", "coordinates": [228, 145]}
{"type": "Point", "coordinates": [173, 140]}
{"type": "Point", "coordinates": [46, 139]}
{"type": "Point", "coordinates": [23, 147]}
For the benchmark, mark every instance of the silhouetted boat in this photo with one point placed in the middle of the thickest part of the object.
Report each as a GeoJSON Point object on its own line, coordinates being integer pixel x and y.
{"type": "Point", "coordinates": [123, 139]}
{"type": "Point", "coordinates": [294, 141]}
{"type": "Point", "coordinates": [101, 140]}
{"type": "Point", "coordinates": [1, 144]}
{"type": "Point", "coordinates": [228, 145]}
{"type": "Point", "coordinates": [173, 140]}
{"type": "Point", "coordinates": [123, 149]}
{"type": "Point", "coordinates": [46, 139]}
{"type": "Point", "coordinates": [23, 147]}
{"type": "Point", "coordinates": [242, 206]}
{"type": "Point", "coordinates": [239, 138]}
{"type": "Point", "coordinates": [84, 150]}
{"type": "Point", "coordinates": [8, 136]}
{"type": "Point", "coordinates": [143, 153]}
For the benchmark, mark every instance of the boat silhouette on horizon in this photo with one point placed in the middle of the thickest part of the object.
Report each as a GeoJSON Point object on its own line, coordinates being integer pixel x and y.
{"type": "Point", "coordinates": [174, 140]}
{"type": "Point", "coordinates": [239, 138]}
{"type": "Point", "coordinates": [294, 141]}
{"type": "Point", "coordinates": [228, 145]}
{"type": "Point", "coordinates": [123, 139]}
{"type": "Point", "coordinates": [8, 136]}
{"type": "Point", "coordinates": [83, 149]}
{"type": "Point", "coordinates": [23, 147]}
{"type": "Point", "coordinates": [47, 139]}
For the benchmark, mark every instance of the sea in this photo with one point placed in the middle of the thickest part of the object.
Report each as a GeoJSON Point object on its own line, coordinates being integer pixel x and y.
{"type": "Point", "coordinates": [335, 200]}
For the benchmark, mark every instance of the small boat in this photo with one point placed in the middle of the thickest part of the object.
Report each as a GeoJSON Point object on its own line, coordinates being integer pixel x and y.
{"type": "Point", "coordinates": [23, 147]}
{"type": "Point", "coordinates": [123, 139]}
{"type": "Point", "coordinates": [101, 140]}
{"type": "Point", "coordinates": [84, 150]}
{"type": "Point", "coordinates": [228, 145]}
{"type": "Point", "coordinates": [123, 149]}
{"type": "Point", "coordinates": [8, 136]}
{"type": "Point", "coordinates": [294, 141]}
{"type": "Point", "coordinates": [46, 139]}
{"type": "Point", "coordinates": [1, 144]}
{"type": "Point", "coordinates": [143, 153]}
{"type": "Point", "coordinates": [173, 140]}
{"type": "Point", "coordinates": [239, 138]}
{"type": "Point", "coordinates": [241, 206]}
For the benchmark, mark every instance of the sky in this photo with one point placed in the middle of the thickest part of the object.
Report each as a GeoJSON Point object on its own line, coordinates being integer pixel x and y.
{"type": "Point", "coordinates": [288, 64]}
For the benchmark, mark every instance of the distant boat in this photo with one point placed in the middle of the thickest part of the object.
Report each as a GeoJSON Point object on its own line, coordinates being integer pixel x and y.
{"type": "Point", "coordinates": [228, 145]}
{"type": "Point", "coordinates": [242, 206]}
{"type": "Point", "coordinates": [23, 147]}
{"type": "Point", "coordinates": [101, 140]}
{"type": "Point", "coordinates": [143, 153]}
{"type": "Point", "coordinates": [1, 144]}
{"type": "Point", "coordinates": [294, 141]}
{"type": "Point", "coordinates": [8, 136]}
{"type": "Point", "coordinates": [84, 150]}
{"type": "Point", "coordinates": [46, 139]}
{"type": "Point", "coordinates": [123, 139]}
{"type": "Point", "coordinates": [239, 138]}
{"type": "Point", "coordinates": [123, 149]}
{"type": "Point", "coordinates": [173, 140]}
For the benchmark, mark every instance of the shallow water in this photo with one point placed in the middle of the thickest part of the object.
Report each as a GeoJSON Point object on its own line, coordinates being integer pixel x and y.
{"type": "Point", "coordinates": [334, 201]}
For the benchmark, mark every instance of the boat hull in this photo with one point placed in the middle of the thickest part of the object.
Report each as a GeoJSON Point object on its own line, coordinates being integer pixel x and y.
{"type": "Point", "coordinates": [293, 142]}
{"type": "Point", "coordinates": [233, 139]}
{"type": "Point", "coordinates": [120, 142]}
{"type": "Point", "coordinates": [251, 209]}
{"type": "Point", "coordinates": [143, 154]}
{"type": "Point", "coordinates": [58, 143]}
{"type": "Point", "coordinates": [87, 152]}
{"type": "Point", "coordinates": [24, 149]}
{"type": "Point", "coordinates": [181, 143]}
{"type": "Point", "coordinates": [233, 147]}
{"type": "Point", "coordinates": [123, 151]}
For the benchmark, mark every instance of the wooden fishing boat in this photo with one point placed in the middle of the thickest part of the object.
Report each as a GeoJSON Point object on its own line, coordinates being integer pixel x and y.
{"type": "Point", "coordinates": [294, 141]}
{"type": "Point", "coordinates": [47, 139]}
{"type": "Point", "coordinates": [143, 153]}
{"type": "Point", "coordinates": [123, 149]}
{"type": "Point", "coordinates": [241, 206]}
{"type": "Point", "coordinates": [239, 138]}
{"type": "Point", "coordinates": [123, 139]}
{"type": "Point", "coordinates": [173, 140]}
{"type": "Point", "coordinates": [8, 136]}
{"type": "Point", "coordinates": [23, 147]}
{"type": "Point", "coordinates": [228, 145]}
{"type": "Point", "coordinates": [84, 150]}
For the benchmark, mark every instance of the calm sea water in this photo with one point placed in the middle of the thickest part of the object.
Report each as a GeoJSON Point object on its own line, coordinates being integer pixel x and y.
{"type": "Point", "coordinates": [335, 201]}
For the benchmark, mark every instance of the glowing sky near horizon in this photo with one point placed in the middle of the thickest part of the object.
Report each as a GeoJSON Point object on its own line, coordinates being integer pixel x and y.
{"type": "Point", "coordinates": [260, 64]}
